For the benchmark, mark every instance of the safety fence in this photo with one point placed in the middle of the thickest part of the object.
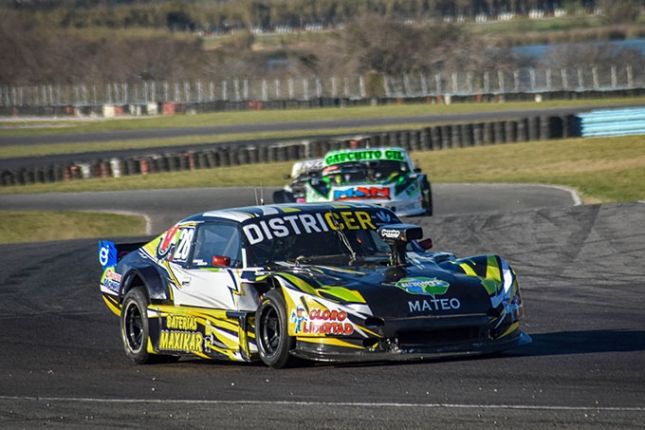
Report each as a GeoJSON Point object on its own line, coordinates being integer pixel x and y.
{"type": "Point", "coordinates": [222, 155]}
{"type": "Point", "coordinates": [612, 122]}
{"type": "Point", "coordinates": [144, 97]}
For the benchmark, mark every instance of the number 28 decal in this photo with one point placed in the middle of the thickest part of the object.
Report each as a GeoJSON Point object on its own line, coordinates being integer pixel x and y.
{"type": "Point", "coordinates": [184, 244]}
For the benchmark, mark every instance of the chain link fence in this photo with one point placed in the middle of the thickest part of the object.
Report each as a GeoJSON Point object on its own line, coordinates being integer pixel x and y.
{"type": "Point", "coordinates": [256, 91]}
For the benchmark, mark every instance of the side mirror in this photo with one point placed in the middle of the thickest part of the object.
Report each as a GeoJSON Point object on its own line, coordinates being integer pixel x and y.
{"type": "Point", "coordinates": [426, 244]}
{"type": "Point", "coordinates": [221, 261]}
{"type": "Point", "coordinates": [397, 236]}
{"type": "Point", "coordinates": [393, 234]}
{"type": "Point", "coordinates": [287, 176]}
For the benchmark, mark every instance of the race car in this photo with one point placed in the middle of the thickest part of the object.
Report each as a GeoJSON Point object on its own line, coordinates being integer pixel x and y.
{"type": "Point", "coordinates": [384, 176]}
{"type": "Point", "coordinates": [301, 172]}
{"type": "Point", "coordinates": [331, 282]}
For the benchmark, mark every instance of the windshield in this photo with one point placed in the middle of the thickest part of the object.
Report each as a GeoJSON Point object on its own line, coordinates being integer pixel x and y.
{"type": "Point", "coordinates": [365, 171]}
{"type": "Point", "coordinates": [313, 246]}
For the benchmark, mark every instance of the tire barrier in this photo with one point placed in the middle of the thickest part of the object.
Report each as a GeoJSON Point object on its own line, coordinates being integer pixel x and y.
{"type": "Point", "coordinates": [223, 155]}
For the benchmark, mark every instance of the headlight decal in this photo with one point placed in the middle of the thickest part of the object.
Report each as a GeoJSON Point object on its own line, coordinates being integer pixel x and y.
{"type": "Point", "coordinates": [315, 288]}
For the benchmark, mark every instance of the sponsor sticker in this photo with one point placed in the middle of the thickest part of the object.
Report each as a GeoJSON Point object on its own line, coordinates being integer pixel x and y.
{"type": "Point", "coordinates": [321, 321]}
{"type": "Point", "coordinates": [428, 287]}
{"type": "Point", "coordinates": [362, 193]}
{"type": "Point", "coordinates": [167, 242]}
{"type": "Point", "coordinates": [364, 155]}
{"type": "Point", "coordinates": [181, 335]}
{"type": "Point", "coordinates": [107, 253]}
{"type": "Point", "coordinates": [307, 223]}
{"type": "Point", "coordinates": [111, 279]}
{"type": "Point", "coordinates": [425, 286]}
{"type": "Point", "coordinates": [181, 341]}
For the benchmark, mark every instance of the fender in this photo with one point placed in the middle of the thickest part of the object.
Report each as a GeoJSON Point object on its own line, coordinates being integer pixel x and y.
{"type": "Point", "coordinates": [408, 182]}
{"type": "Point", "coordinates": [156, 287]}
{"type": "Point", "coordinates": [424, 180]}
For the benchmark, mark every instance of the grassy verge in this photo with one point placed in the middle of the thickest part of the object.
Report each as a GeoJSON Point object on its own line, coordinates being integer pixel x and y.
{"type": "Point", "coordinates": [602, 170]}
{"type": "Point", "coordinates": [30, 226]}
{"type": "Point", "coordinates": [249, 175]}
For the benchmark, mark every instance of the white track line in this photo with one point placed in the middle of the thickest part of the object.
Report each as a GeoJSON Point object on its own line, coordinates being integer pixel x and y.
{"type": "Point", "coordinates": [575, 198]}
{"type": "Point", "coordinates": [130, 213]}
{"type": "Point", "coordinates": [332, 404]}
{"type": "Point", "coordinates": [577, 201]}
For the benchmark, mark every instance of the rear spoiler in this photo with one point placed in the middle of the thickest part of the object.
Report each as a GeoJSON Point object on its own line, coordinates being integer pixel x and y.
{"type": "Point", "coordinates": [111, 253]}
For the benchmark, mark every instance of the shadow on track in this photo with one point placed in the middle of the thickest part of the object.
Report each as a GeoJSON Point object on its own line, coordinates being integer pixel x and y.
{"type": "Point", "coordinates": [583, 342]}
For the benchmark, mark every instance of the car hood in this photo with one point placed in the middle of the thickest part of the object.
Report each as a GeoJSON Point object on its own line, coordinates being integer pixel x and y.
{"type": "Point", "coordinates": [427, 289]}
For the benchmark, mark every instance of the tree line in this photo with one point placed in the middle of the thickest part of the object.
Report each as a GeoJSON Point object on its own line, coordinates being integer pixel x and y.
{"type": "Point", "coordinates": [271, 14]}
{"type": "Point", "coordinates": [372, 44]}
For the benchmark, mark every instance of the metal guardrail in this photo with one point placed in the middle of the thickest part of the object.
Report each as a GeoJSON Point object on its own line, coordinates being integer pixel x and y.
{"type": "Point", "coordinates": [612, 122]}
{"type": "Point", "coordinates": [237, 93]}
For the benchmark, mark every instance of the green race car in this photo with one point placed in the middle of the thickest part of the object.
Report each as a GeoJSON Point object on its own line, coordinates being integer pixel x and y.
{"type": "Point", "coordinates": [383, 176]}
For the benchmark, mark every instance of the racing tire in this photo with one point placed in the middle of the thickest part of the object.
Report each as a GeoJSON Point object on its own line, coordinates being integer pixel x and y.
{"type": "Point", "coordinates": [427, 200]}
{"type": "Point", "coordinates": [283, 196]}
{"type": "Point", "coordinates": [272, 331]}
{"type": "Point", "coordinates": [278, 197]}
{"type": "Point", "coordinates": [135, 328]}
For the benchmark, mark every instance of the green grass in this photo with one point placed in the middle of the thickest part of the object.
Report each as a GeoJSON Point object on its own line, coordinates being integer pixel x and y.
{"type": "Point", "coordinates": [602, 170]}
{"type": "Point", "coordinates": [249, 175]}
{"type": "Point", "coordinates": [30, 226]}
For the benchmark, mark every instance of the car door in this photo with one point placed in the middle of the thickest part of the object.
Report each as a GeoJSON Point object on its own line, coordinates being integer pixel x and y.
{"type": "Point", "coordinates": [205, 281]}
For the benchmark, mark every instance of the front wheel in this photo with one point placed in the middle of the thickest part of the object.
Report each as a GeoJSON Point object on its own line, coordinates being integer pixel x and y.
{"type": "Point", "coordinates": [272, 332]}
{"type": "Point", "coordinates": [427, 201]}
{"type": "Point", "coordinates": [282, 196]}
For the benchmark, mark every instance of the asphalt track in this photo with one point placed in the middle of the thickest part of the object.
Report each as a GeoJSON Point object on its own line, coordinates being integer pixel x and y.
{"type": "Point", "coordinates": [580, 267]}
{"type": "Point", "coordinates": [163, 133]}
{"type": "Point", "coordinates": [163, 208]}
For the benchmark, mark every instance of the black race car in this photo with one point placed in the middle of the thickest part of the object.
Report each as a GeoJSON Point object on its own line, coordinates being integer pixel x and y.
{"type": "Point", "coordinates": [316, 281]}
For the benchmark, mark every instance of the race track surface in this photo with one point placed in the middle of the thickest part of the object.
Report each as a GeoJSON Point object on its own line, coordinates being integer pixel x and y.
{"type": "Point", "coordinates": [164, 208]}
{"type": "Point", "coordinates": [582, 273]}
{"type": "Point", "coordinates": [331, 125]}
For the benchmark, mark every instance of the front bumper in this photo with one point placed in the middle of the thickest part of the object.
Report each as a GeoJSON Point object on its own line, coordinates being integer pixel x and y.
{"type": "Point", "coordinates": [399, 207]}
{"type": "Point", "coordinates": [403, 207]}
{"type": "Point", "coordinates": [391, 350]}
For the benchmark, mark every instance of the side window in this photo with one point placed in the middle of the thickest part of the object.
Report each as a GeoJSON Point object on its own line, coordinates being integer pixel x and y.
{"type": "Point", "coordinates": [216, 239]}
{"type": "Point", "coordinates": [177, 243]}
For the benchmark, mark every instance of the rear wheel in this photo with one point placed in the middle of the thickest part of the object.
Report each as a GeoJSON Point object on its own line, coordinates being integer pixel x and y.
{"type": "Point", "coordinates": [134, 326]}
{"type": "Point", "coordinates": [135, 329]}
{"type": "Point", "coordinates": [282, 196]}
{"type": "Point", "coordinates": [272, 332]}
